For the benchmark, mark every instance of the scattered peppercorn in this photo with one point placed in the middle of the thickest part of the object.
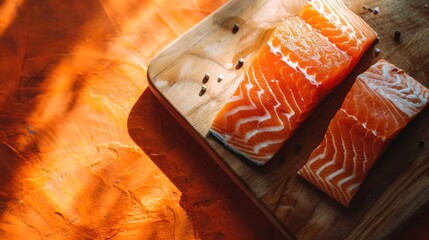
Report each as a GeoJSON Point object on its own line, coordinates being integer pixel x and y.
{"type": "Point", "coordinates": [203, 90]}
{"type": "Point", "coordinates": [377, 50]}
{"type": "Point", "coordinates": [240, 63]}
{"type": "Point", "coordinates": [220, 78]}
{"type": "Point", "coordinates": [206, 77]}
{"type": "Point", "coordinates": [426, 6]}
{"type": "Point", "coordinates": [235, 28]}
{"type": "Point", "coordinates": [397, 35]}
{"type": "Point", "coordinates": [376, 10]}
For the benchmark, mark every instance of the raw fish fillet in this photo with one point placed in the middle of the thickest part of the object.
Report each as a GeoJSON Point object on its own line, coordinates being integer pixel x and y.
{"type": "Point", "coordinates": [289, 77]}
{"type": "Point", "coordinates": [341, 26]}
{"type": "Point", "coordinates": [279, 90]}
{"type": "Point", "coordinates": [379, 105]}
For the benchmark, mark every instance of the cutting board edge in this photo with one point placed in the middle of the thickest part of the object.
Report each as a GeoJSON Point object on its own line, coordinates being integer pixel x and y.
{"type": "Point", "coordinates": [200, 137]}
{"type": "Point", "coordinates": [202, 142]}
{"type": "Point", "coordinates": [191, 29]}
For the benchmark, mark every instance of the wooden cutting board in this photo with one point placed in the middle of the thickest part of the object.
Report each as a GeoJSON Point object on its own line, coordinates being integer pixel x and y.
{"type": "Point", "coordinates": [396, 190]}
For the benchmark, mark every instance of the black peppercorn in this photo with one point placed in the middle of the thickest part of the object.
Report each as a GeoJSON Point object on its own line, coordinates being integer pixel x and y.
{"type": "Point", "coordinates": [206, 77]}
{"type": "Point", "coordinates": [239, 64]}
{"type": "Point", "coordinates": [397, 35]}
{"type": "Point", "coordinates": [235, 28]}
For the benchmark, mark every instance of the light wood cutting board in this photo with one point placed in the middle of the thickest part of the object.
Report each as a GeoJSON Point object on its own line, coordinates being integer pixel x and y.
{"type": "Point", "coordinates": [396, 190]}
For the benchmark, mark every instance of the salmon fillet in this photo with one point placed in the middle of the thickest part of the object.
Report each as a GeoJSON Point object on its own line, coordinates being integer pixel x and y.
{"type": "Point", "coordinates": [341, 26]}
{"type": "Point", "coordinates": [378, 106]}
{"type": "Point", "coordinates": [279, 90]}
{"type": "Point", "coordinates": [290, 75]}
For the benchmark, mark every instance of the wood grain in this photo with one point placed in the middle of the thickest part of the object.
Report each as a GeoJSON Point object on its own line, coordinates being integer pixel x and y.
{"type": "Point", "coordinates": [397, 188]}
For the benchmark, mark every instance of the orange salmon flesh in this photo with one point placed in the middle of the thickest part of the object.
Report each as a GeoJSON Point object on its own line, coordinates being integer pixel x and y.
{"type": "Point", "coordinates": [304, 59]}
{"type": "Point", "coordinates": [378, 106]}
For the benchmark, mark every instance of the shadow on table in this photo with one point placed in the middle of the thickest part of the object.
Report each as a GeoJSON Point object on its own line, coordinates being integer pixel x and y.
{"type": "Point", "coordinates": [216, 206]}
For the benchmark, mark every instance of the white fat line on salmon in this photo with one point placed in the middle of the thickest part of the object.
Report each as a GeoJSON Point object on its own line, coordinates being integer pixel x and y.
{"type": "Point", "coordinates": [327, 181]}
{"type": "Point", "coordinates": [265, 144]}
{"type": "Point", "coordinates": [366, 151]}
{"type": "Point", "coordinates": [240, 108]}
{"type": "Point", "coordinates": [354, 161]}
{"type": "Point", "coordinates": [407, 102]}
{"type": "Point", "coordinates": [263, 118]}
{"type": "Point", "coordinates": [319, 171]}
{"type": "Point", "coordinates": [347, 30]}
{"type": "Point", "coordinates": [242, 121]}
{"type": "Point", "coordinates": [287, 103]}
{"type": "Point", "coordinates": [327, 164]}
{"type": "Point", "coordinates": [344, 54]}
{"type": "Point", "coordinates": [320, 182]}
{"type": "Point", "coordinates": [408, 90]}
{"type": "Point", "coordinates": [267, 114]}
{"type": "Point", "coordinates": [333, 160]}
{"type": "Point", "coordinates": [334, 174]}
{"type": "Point", "coordinates": [329, 45]}
{"type": "Point", "coordinates": [352, 187]}
{"type": "Point", "coordinates": [236, 98]}
{"type": "Point", "coordinates": [243, 107]}
{"type": "Point", "coordinates": [363, 124]}
{"type": "Point", "coordinates": [277, 128]}
{"type": "Point", "coordinates": [276, 50]}
{"type": "Point", "coordinates": [278, 104]}
{"type": "Point", "coordinates": [252, 133]}
{"type": "Point", "coordinates": [321, 155]}
{"type": "Point", "coordinates": [337, 193]}
{"type": "Point", "coordinates": [347, 179]}
{"type": "Point", "coordinates": [388, 107]}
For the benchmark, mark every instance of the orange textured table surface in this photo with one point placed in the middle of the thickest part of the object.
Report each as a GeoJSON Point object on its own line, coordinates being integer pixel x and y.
{"type": "Point", "coordinates": [86, 151]}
